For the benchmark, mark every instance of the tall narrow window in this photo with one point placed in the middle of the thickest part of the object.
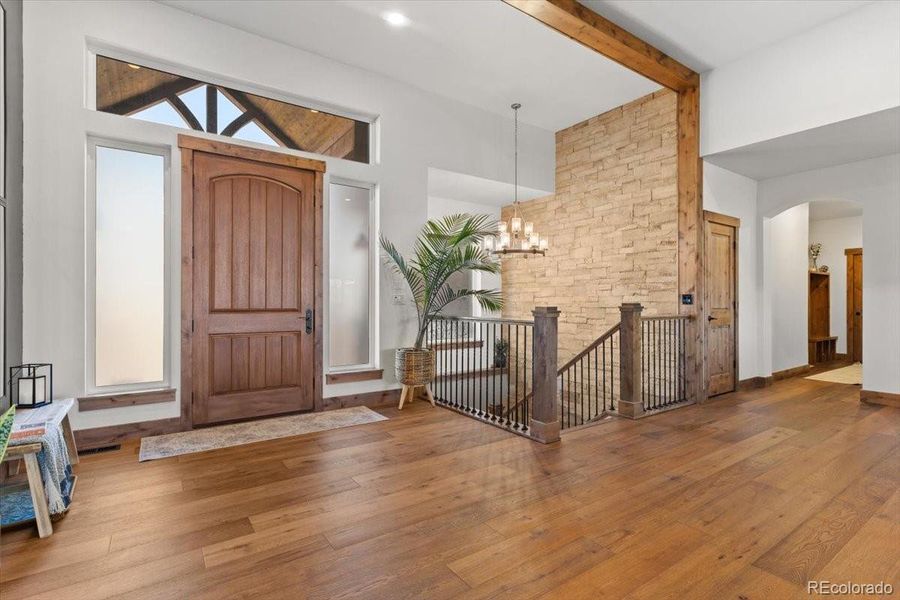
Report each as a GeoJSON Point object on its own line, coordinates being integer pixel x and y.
{"type": "Point", "coordinates": [351, 293]}
{"type": "Point", "coordinates": [129, 251]}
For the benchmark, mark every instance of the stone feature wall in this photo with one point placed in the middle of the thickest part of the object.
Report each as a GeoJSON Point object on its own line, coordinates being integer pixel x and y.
{"type": "Point", "coordinates": [612, 224]}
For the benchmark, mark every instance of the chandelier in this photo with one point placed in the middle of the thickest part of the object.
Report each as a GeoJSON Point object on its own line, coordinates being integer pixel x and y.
{"type": "Point", "coordinates": [515, 236]}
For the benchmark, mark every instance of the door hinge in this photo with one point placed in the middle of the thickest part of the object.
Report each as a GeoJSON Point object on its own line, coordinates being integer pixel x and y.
{"type": "Point", "coordinates": [192, 253]}
{"type": "Point", "coordinates": [192, 326]}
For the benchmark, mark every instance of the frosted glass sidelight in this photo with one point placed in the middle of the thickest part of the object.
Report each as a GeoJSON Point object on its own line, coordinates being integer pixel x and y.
{"type": "Point", "coordinates": [130, 257]}
{"type": "Point", "coordinates": [350, 268]}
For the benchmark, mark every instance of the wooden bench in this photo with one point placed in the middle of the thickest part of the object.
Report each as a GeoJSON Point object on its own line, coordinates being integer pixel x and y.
{"type": "Point", "coordinates": [822, 349]}
{"type": "Point", "coordinates": [27, 452]}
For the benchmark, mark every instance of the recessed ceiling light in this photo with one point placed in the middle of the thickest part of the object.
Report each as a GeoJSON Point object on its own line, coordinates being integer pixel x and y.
{"type": "Point", "coordinates": [313, 111]}
{"type": "Point", "coordinates": [396, 19]}
{"type": "Point", "coordinates": [347, 200]}
{"type": "Point", "coordinates": [134, 66]}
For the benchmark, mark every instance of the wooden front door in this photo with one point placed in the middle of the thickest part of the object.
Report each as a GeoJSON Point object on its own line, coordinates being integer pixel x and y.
{"type": "Point", "coordinates": [253, 288]}
{"type": "Point", "coordinates": [854, 303]}
{"type": "Point", "coordinates": [720, 313]}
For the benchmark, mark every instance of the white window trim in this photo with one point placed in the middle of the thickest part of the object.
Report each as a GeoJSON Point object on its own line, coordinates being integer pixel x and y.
{"type": "Point", "coordinates": [90, 212]}
{"type": "Point", "coordinates": [374, 290]}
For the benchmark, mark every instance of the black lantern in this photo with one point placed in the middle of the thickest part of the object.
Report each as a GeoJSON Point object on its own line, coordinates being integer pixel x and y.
{"type": "Point", "coordinates": [31, 385]}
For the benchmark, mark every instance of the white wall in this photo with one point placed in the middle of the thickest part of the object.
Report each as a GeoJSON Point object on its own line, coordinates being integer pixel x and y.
{"type": "Point", "coordinates": [842, 69]}
{"type": "Point", "coordinates": [836, 235]}
{"type": "Point", "coordinates": [442, 207]}
{"type": "Point", "coordinates": [735, 195]}
{"type": "Point", "coordinates": [788, 244]}
{"type": "Point", "coordinates": [417, 130]}
{"type": "Point", "coordinates": [875, 184]}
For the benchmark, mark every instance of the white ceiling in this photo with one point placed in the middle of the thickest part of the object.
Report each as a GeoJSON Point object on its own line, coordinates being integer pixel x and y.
{"type": "Point", "coordinates": [484, 53]}
{"type": "Point", "coordinates": [468, 188]}
{"type": "Point", "coordinates": [821, 210]}
{"type": "Point", "coordinates": [875, 134]}
{"type": "Point", "coordinates": [704, 34]}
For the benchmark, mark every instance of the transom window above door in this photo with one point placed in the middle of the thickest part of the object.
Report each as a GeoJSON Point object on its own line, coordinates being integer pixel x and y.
{"type": "Point", "coordinates": [141, 92]}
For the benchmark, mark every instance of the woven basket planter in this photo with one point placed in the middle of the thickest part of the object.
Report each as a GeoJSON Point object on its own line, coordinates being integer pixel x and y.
{"type": "Point", "coordinates": [414, 367]}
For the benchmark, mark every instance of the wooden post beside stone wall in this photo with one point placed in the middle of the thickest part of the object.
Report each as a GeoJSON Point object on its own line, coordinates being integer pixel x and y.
{"type": "Point", "coordinates": [630, 403]}
{"type": "Point", "coordinates": [544, 425]}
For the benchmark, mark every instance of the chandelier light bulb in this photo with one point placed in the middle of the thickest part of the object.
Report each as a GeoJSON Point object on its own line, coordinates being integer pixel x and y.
{"type": "Point", "coordinates": [529, 228]}
{"type": "Point", "coordinates": [504, 241]}
{"type": "Point", "coordinates": [515, 224]}
{"type": "Point", "coordinates": [501, 227]}
{"type": "Point", "coordinates": [489, 243]}
{"type": "Point", "coordinates": [544, 244]}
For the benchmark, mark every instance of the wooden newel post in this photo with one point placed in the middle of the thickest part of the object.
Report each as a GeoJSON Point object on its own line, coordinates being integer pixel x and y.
{"type": "Point", "coordinates": [630, 404]}
{"type": "Point", "coordinates": [544, 424]}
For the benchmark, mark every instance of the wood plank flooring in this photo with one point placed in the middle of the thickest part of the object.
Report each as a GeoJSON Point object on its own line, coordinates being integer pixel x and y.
{"type": "Point", "coordinates": [747, 497]}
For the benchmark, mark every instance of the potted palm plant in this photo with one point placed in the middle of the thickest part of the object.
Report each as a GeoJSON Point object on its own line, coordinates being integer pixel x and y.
{"type": "Point", "coordinates": [444, 247]}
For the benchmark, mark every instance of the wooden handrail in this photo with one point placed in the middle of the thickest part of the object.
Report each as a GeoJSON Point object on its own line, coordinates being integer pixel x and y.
{"type": "Point", "coordinates": [605, 336]}
{"type": "Point", "coordinates": [587, 350]}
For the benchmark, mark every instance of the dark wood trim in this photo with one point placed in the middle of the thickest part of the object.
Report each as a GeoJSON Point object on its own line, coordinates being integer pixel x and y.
{"type": "Point", "coordinates": [187, 285]}
{"type": "Point", "coordinates": [792, 372]}
{"type": "Point", "coordinates": [598, 33]}
{"type": "Point", "coordinates": [727, 220]}
{"type": "Point", "coordinates": [318, 273]}
{"type": "Point", "coordinates": [881, 398]}
{"type": "Point", "coordinates": [488, 372]}
{"type": "Point", "coordinates": [691, 243]}
{"type": "Point", "coordinates": [102, 401]}
{"type": "Point", "coordinates": [188, 145]}
{"type": "Point", "coordinates": [351, 376]}
{"type": "Point", "coordinates": [99, 437]}
{"type": "Point", "coordinates": [457, 345]}
{"type": "Point", "coordinates": [248, 153]}
{"type": "Point", "coordinates": [370, 399]}
{"type": "Point", "coordinates": [753, 383]}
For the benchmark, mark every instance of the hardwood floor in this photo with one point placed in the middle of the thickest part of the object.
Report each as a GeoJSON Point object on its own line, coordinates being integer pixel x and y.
{"type": "Point", "coordinates": [746, 497]}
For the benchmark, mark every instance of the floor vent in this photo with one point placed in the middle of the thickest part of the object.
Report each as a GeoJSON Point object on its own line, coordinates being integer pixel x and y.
{"type": "Point", "coordinates": [99, 450]}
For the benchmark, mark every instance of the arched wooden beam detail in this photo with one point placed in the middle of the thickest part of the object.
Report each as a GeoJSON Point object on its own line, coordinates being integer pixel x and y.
{"type": "Point", "coordinates": [182, 109]}
{"type": "Point", "coordinates": [235, 125]}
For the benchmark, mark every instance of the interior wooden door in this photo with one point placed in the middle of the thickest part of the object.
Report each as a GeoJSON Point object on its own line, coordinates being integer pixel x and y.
{"type": "Point", "coordinates": [721, 307]}
{"type": "Point", "coordinates": [253, 288]}
{"type": "Point", "coordinates": [854, 303]}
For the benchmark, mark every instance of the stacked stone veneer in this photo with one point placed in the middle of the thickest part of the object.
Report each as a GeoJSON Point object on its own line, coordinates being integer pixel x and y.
{"type": "Point", "coordinates": [612, 224]}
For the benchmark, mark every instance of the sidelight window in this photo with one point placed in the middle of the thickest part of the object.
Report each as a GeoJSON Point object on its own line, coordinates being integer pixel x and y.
{"type": "Point", "coordinates": [127, 266]}
{"type": "Point", "coordinates": [352, 291]}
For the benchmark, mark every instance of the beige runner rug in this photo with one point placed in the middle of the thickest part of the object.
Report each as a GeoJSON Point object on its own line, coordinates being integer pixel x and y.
{"type": "Point", "coordinates": [226, 436]}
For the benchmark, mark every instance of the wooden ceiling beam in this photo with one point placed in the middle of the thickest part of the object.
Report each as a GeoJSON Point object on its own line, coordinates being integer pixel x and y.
{"type": "Point", "coordinates": [605, 37]}
{"type": "Point", "coordinates": [598, 33]}
{"type": "Point", "coordinates": [138, 102]}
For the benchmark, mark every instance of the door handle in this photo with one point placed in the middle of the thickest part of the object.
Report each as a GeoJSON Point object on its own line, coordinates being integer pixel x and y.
{"type": "Point", "coordinates": [309, 320]}
{"type": "Point", "coordinates": [710, 318]}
